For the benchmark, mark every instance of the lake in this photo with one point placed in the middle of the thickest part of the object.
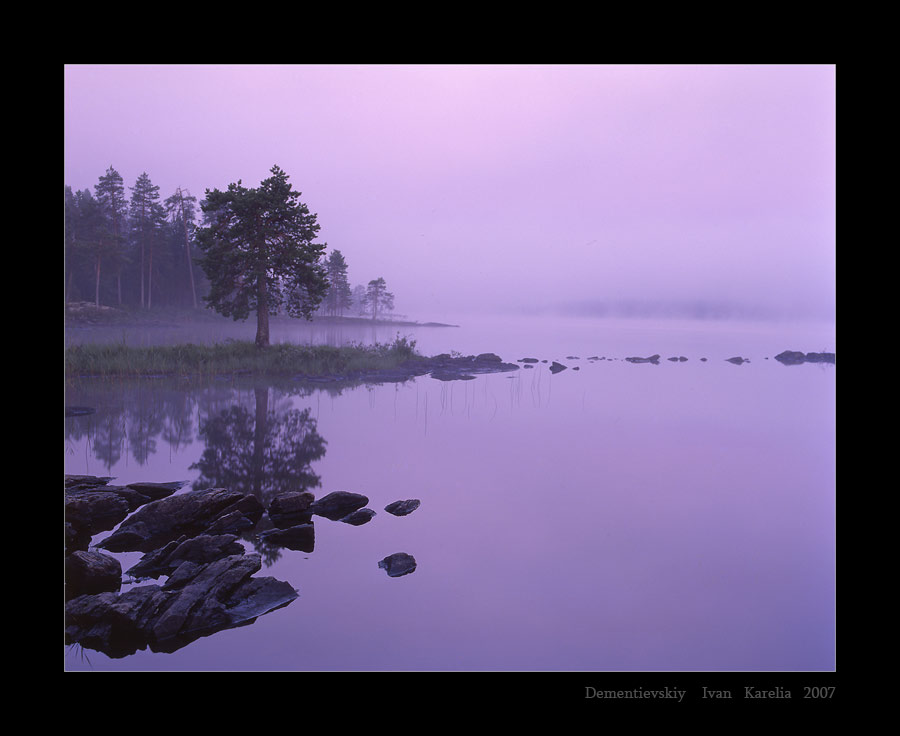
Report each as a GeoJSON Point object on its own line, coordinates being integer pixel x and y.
{"type": "Point", "coordinates": [617, 517]}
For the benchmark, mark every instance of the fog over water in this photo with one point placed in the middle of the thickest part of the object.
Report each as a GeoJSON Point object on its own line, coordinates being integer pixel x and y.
{"type": "Point", "coordinates": [507, 187]}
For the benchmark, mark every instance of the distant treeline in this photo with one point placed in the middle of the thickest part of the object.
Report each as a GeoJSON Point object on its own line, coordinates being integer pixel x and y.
{"type": "Point", "coordinates": [127, 247]}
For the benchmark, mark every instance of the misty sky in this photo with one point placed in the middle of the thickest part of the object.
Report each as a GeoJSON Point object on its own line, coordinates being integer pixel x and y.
{"type": "Point", "coordinates": [503, 186]}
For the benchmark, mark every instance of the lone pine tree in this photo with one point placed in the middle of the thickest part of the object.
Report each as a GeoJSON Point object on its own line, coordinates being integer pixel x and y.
{"type": "Point", "coordinates": [259, 252]}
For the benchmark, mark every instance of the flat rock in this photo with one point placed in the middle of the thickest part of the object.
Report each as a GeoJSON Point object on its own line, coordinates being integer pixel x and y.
{"type": "Point", "coordinates": [402, 508]}
{"type": "Point", "coordinates": [338, 504]}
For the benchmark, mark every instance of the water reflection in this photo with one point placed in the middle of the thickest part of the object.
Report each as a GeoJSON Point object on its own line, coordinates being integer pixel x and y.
{"type": "Point", "coordinates": [264, 450]}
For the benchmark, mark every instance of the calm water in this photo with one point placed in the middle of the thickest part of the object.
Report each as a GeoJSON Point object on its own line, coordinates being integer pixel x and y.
{"type": "Point", "coordinates": [620, 517]}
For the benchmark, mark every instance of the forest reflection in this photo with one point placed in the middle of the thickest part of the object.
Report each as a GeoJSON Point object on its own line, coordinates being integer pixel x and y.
{"type": "Point", "coordinates": [253, 437]}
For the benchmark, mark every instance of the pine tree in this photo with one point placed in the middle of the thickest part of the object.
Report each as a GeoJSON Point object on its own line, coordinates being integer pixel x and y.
{"type": "Point", "coordinates": [378, 297]}
{"type": "Point", "coordinates": [110, 194]}
{"type": "Point", "coordinates": [259, 252]}
{"type": "Point", "coordinates": [339, 296]}
{"type": "Point", "coordinates": [147, 215]}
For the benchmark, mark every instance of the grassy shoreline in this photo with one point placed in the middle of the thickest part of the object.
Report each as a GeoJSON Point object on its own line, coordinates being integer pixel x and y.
{"type": "Point", "coordinates": [117, 360]}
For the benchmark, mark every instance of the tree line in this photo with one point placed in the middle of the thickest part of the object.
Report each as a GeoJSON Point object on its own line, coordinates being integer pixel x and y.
{"type": "Point", "coordinates": [237, 251]}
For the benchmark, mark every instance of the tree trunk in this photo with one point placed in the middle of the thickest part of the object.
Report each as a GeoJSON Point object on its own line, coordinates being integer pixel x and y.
{"type": "Point", "coordinates": [262, 314]}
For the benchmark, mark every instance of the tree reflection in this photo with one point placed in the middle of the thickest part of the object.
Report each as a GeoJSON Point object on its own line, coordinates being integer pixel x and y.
{"type": "Point", "coordinates": [266, 451]}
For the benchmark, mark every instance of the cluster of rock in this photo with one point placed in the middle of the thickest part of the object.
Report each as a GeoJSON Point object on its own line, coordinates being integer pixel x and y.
{"type": "Point", "coordinates": [443, 367]}
{"type": "Point", "coordinates": [190, 538]}
{"type": "Point", "coordinates": [788, 357]}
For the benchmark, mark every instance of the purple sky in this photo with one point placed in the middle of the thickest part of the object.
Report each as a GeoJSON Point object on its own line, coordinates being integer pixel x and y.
{"type": "Point", "coordinates": [503, 186]}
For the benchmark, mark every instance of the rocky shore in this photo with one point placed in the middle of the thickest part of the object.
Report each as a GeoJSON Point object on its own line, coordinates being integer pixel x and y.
{"type": "Point", "coordinates": [193, 539]}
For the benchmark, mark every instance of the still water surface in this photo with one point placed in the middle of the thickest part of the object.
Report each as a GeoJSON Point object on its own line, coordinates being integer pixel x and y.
{"type": "Point", "coordinates": [619, 517]}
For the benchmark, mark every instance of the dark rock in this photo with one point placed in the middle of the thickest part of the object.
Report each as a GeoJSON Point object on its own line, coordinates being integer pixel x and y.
{"type": "Point", "coordinates": [402, 508]}
{"type": "Point", "coordinates": [189, 514]}
{"type": "Point", "coordinates": [572, 357]}
{"type": "Point", "coordinates": [576, 368]}
{"type": "Point", "coordinates": [528, 366]}
{"type": "Point", "coordinates": [79, 411]}
{"type": "Point", "coordinates": [654, 359]}
{"type": "Point", "coordinates": [199, 550]}
{"type": "Point", "coordinates": [702, 360]}
{"type": "Point", "coordinates": [290, 509]}
{"type": "Point", "coordinates": [358, 518]}
{"type": "Point", "coordinates": [557, 367]}
{"type": "Point", "coordinates": [398, 564]}
{"type": "Point", "coordinates": [527, 360]}
{"type": "Point", "coordinates": [488, 358]}
{"type": "Point", "coordinates": [338, 504]}
{"type": "Point", "coordinates": [91, 572]}
{"type": "Point", "coordinates": [737, 360]}
{"type": "Point", "coordinates": [196, 601]}
{"type": "Point", "coordinates": [300, 538]}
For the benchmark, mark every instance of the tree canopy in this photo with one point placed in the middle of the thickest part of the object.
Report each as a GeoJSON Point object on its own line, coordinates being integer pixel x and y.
{"type": "Point", "coordinates": [259, 252]}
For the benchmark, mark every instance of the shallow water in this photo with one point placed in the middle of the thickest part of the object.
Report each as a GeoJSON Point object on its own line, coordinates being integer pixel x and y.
{"type": "Point", "coordinates": [619, 517]}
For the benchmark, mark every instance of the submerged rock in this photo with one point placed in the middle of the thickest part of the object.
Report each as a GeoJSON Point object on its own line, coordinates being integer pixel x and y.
{"type": "Point", "coordinates": [79, 411]}
{"type": "Point", "coordinates": [398, 564]}
{"type": "Point", "coordinates": [338, 504]}
{"type": "Point", "coordinates": [402, 508]}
